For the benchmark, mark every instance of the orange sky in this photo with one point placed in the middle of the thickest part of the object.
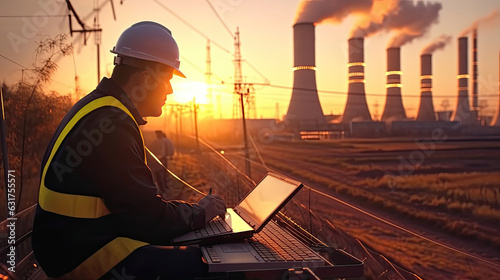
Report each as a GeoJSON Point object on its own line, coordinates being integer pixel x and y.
{"type": "Point", "coordinates": [266, 36]}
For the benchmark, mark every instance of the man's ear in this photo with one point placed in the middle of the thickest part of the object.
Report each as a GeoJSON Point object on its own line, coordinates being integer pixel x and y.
{"type": "Point", "coordinates": [147, 81]}
{"type": "Point", "coordinates": [142, 78]}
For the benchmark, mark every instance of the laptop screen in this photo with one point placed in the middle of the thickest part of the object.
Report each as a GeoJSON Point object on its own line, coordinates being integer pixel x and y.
{"type": "Point", "coordinates": [268, 197]}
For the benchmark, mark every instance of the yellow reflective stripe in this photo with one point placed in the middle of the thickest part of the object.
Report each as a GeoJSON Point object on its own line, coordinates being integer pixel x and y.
{"type": "Point", "coordinates": [77, 206]}
{"type": "Point", "coordinates": [103, 260]}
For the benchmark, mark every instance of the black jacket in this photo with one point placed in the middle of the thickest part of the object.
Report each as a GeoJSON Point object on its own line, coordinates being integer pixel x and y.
{"type": "Point", "coordinates": [103, 157]}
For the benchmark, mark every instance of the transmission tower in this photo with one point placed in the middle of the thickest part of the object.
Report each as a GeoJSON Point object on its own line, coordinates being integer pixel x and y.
{"type": "Point", "coordinates": [238, 77]}
{"type": "Point", "coordinates": [97, 40]}
{"type": "Point", "coordinates": [240, 90]}
{"type": "Point", "coordinates": [208, 81]}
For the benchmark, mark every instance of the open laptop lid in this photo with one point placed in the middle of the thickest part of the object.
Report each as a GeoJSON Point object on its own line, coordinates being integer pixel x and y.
{"type": "Point", "coordinates": [270, 195]}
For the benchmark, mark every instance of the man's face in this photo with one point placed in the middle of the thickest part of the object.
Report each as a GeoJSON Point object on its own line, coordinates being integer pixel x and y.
{"type": "Point", "coordinates": [155, 82]}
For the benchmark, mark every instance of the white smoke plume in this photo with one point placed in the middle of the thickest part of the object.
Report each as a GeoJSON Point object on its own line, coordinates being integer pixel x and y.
{"type": "Point", "coordinates": [490, 19]}
{"type": "Point", "coordinates": [412, 21]}
{"type": "Point", "coordinates": [377, 19]}
{"type": "Point", "coordinates": [408, 19]}
{"type": "Point", "coordinates": [333, 11]}
{"type": "Point", "coordinates": [438, 43]}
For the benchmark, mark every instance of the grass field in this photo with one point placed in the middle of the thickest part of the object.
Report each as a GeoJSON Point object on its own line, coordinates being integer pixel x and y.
{"type": "Point", "coordinates": [448, 191]}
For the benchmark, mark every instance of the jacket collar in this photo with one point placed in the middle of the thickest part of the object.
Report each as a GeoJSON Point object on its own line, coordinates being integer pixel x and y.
{"type": "Point", "coordinates": [109, 87]}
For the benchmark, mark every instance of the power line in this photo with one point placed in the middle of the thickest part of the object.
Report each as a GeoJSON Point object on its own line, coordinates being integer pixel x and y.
{"type": "Point", "coordinates": [390, 223]}
{"type": "Point", "coordinates": [198, 68]}
{"type": "Point", "coordinates": [13, 61]}
{"type": "Point", "coordinates": [220, 19]}
{"type": "Point", "coordinates": [258, 72]}
{"type": "Point", "coordinates": [206, 37]}
{"type": "Point", "coordinates": [343, 92]}
{"type": "Point", "coordinates": [366, 94]}
{"type": "Point", "coordinates": [30, 16]}
{"type": "Point", "coordinates": [402, 228]}
{"type": "Point", "coordinates": [191, 26]}
{"type": "Point", "coordinates": [26, 68]}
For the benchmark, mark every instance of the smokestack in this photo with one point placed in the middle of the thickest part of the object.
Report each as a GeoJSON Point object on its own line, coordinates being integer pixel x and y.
{"type": "Point", "coordinates": [474, 71]}
{"type": "Point", "coordinates": [356, 108]}
{"type": "Point", "coordinates": [426, 108]}
{"type": "Point", "coordinates": [304, 107]}
{"type": "Point", "coordinates": [496, 119]}
{"type": "Point", "coordinates": [393, 110]}
{"type": "Point", "coordinates": [463, 112]}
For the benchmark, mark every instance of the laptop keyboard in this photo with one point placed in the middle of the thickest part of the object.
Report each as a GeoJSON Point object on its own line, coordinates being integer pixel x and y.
{"type": "Point", "coordinates": [275, 244]}
{"type": "Point", "coordinates": [216, 226]}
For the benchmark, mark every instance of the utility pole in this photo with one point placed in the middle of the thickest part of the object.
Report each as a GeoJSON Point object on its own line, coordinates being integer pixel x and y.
{"type": "Point", "coordinates": [179, 111]}
{"type": "Point", "coordinates": [208, 80]}
{"type": "Point", "coordinates": [84, 30]}
{"type": "Point", "coordinates": [195, 107]}
{"type": "Point", "coordinates": [97, 41]}
{"type": "Point", "coordinates": [241, 89]}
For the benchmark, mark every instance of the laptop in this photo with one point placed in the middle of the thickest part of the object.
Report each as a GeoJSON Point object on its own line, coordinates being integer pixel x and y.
{"type": "Point", "coordinates": [272, 248]}
{"type": "Point", "coordinates": [249, 216]}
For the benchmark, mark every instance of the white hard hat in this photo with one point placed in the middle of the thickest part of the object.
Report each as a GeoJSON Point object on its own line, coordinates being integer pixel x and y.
{"type": "Point", "coordinates": [149, 41]}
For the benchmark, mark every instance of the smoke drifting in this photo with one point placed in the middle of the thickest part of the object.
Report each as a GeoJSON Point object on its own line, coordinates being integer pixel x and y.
{"type": "Point", "coordinates": [490, 19]}
{"type": "Point", "coordinates": [321, 11]}
{"type": "Point", "coordinates": [412, 21]}
{"type": "Point", "coordinates": [438, 43]}
{"type": "Point", "coordinates": [377, 20]}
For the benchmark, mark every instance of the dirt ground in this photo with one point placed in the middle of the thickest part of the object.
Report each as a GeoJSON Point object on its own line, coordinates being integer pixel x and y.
{"type": "Point", "coordinates": [431, 207]}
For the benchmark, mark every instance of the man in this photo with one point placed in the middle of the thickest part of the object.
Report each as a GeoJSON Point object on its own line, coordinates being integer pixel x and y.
{"type": "Point", "coordinates": [99, 216]}
{"type": "Point", "coordinates": [169, 147]}
{"type": "Point", "coordinates": [163, 149]}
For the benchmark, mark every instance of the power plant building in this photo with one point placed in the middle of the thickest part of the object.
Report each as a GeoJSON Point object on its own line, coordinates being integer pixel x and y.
{"type": "Point", "coordinates": [426, 107]}
{"type": "Point", "coordinates": [356, 108]}
{"type": "Point", "coordinates": [463, 114]}
{"type": "Point", "coordinates": [305, 112]}
{"type": "Point", "coordinates": [305, 109]}
{"type": "Point", "coordinates": [393, 109]}
{"type": "Point", "coordinates": [496, 119]}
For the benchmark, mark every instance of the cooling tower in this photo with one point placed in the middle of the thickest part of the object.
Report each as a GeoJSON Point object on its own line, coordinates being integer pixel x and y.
{"type": "Point", "coordinates": [426, 108]}
{"type": "Point", "coordinates": [474, 71]}
{"type": "Point", "coordinates": [496, 119]}
{"type": "Point", "coordinates": [304, 108]}
{"type": "Point", "coordinates": [463, 113]}
{"type": "Point", "coordinates": [356, 108]}
{"type": "Point", "coordinates": [393, 109]}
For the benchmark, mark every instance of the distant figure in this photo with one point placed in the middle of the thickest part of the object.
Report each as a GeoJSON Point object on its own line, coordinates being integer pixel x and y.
{"type": "Point", "coordinates": [99, 215]}
{"type": "Point", "coordinates": [163, 149]}
{"type": "Point", "coordinates": [169, 146]}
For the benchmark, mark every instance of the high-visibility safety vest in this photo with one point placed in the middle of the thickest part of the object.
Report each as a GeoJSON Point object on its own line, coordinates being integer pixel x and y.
{"type": "Point", "coordinates": [86, 207]}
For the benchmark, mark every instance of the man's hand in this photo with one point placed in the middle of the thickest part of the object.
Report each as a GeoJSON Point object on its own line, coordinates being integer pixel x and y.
{"type": "Point", "coordinates": [213, 205]}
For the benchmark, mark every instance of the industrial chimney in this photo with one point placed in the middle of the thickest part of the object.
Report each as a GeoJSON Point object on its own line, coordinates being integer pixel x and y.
{"type": "Point", "coordinates": [475, 106]}
{"type": "Point", "coordinates": [393, 109]}
{"type": "Point", "coordinates": [426, 108]}
{"type": "Point", "coordinates": [463, 113]}
{"type": "Point", "coordinates": [356, 108]}
{"type": "Point", "coordinates": [305, 108]}
{"type": "Point", "coordinates": [496, 119]}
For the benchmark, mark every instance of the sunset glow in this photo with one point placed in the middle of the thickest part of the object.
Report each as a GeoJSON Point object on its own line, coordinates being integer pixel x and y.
{"type": "Point", "coordinates": [266, 49]}
{"type": "Point", "coordinates": [186, 91]}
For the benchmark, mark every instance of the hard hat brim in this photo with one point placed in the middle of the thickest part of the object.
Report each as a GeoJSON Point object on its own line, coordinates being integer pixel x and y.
{"type": "Point", "coordinates": [178, 72]}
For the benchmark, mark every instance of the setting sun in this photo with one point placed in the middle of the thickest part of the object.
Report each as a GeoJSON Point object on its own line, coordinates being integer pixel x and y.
{"type": "Point", "coordinates": [185, 91]}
